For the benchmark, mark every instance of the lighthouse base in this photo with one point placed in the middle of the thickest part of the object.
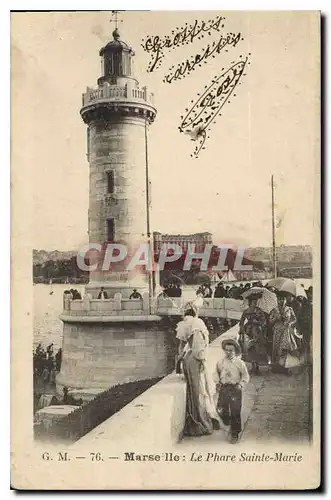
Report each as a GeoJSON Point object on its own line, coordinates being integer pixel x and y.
{"type": "Point", "coordinates": [98, 355]}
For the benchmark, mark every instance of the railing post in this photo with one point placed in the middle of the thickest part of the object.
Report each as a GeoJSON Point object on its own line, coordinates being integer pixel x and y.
{"type": "Point", "coordinates": [67, 298]}
{"type": "Point", "coordinates": [87, 302]}
{"type": "Point", "coordinates": [146, 302]}
{"type": "Point", "coordinates": [118, 301]}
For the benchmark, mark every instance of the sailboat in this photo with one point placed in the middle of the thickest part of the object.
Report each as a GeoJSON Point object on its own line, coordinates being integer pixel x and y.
{"type": "Point", "coordinates": [50, 283]}
{"type": "Point", "coordinates": [228, 276]}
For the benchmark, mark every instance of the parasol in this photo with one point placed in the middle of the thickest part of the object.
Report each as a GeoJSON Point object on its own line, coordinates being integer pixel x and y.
{"type": "Point", "coordinates": [267, 302]}
{"type": "Point", "coordinates": [175, 279]}
{"type": "Point", "coordinates": [254, 290]}
{"type": "Point", "coordinates": [287, 285]}
{"type": "Point", "coordinates": [202, 278]}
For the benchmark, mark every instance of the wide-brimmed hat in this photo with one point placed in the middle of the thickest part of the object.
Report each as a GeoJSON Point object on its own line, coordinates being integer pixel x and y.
{"type": "Point", "coordinates": [231, 342]}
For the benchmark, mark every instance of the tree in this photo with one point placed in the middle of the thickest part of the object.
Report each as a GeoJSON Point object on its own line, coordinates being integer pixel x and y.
{"type": "Point", "coordinates": [49, 269]}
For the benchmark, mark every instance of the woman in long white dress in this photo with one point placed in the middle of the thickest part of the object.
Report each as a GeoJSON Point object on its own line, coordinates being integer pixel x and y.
{"type": "Point", "coordinates": [201, 416]}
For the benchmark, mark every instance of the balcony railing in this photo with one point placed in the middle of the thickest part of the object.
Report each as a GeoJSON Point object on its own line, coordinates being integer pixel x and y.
{"type": "Point", "coordinates": [161, 306]}
{"type": "Point", "coordinates": [115, 92]}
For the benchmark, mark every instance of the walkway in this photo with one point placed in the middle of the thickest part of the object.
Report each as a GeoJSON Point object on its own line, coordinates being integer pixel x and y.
{"type": "Point", "coordinates": [275, 408]}
{"type": "Point", "coordinates": [281, 410]}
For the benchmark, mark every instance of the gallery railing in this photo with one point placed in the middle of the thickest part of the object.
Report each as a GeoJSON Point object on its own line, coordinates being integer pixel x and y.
{"type": "Point", "coordinates": [161, 306]}
{"type": "Point", "coordinates": [115, 92]}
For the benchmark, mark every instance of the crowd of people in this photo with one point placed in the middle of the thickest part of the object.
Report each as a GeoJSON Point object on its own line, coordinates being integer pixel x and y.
{"type": "Point", "coordinates": [233, 290]}
{"type": "Point", "coordinates": [205, 291]}
{"type": "Point", "coordinates": [73, 294]}
{"type": "Point", "coordinates": [278, 339]}
{"type": "Point", "coordinates": [171, 289]}
{"type": "Point", "coordinates": [46, 364]}
{"type": "Point", "coordinates": [102, 295]}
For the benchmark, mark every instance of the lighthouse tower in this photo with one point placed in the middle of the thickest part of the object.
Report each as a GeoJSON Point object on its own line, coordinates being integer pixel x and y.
{"type": "Point", "coordinates": [115, 340]}
{"type": "Point", "coordinates": [118, 114]}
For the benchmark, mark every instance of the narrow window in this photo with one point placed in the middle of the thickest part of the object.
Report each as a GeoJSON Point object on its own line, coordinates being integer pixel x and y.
{"type": "Point", "coordinates": [110, 230]}
{"type": "Point", "coordinates": [110, 181]}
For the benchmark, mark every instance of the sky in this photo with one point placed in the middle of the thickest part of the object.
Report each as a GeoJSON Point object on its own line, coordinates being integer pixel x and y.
{"type": "Point", "coordinates": [270, 127]}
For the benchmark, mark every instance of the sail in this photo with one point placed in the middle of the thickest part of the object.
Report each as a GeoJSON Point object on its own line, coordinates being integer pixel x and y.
{"type": "Point", "coordinates": [228, 276]}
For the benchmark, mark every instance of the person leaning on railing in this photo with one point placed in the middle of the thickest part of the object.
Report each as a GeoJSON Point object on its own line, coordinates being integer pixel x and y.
{"type": "Point", "coordinates": [135, 295]}
{"type": "Point", "coordinates": [103, 294]}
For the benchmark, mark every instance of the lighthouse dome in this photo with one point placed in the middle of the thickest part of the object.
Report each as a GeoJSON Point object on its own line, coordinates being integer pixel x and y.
{"type": "Point", "coordinates": [116, 44]}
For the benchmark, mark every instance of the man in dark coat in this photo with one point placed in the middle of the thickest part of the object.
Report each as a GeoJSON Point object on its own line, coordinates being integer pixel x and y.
{"type": "Point", "coordinates": [102, 294]}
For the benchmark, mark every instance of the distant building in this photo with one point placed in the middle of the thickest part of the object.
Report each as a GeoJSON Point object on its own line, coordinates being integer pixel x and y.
{"type": "Point", "coordinates": [291, 254]}
{"type": "Point", "coordinates": [183, 240]}
{"type": "Point", "coordinates": [296, 272]}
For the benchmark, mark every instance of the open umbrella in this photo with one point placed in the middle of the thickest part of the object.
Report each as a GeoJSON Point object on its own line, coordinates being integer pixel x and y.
{"type": "Point", "coordinates": [288, 286]}
{"type": "Point", "coordinates": [202, 278]}
{"type": "Point", "coordinates": [175, 279]}
{"type": "Point", "coordinates": [268, 300]}
{"type": "Point", "coordinates": [254, 290]}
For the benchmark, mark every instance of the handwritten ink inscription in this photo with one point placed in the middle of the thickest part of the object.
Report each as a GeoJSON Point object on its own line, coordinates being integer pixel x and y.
{"type": "Point", "coordinates": [156, 45]}
{"type": "Point", "coordinates": [210, 50]}
{"type": "Point", "coordinates": [204, 111]}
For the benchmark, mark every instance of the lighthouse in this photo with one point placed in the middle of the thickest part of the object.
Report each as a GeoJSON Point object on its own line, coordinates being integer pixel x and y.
{"type": "Point", "coordinates": [114, 340]}
{"type": "Point", "coordinates": [118, 114]}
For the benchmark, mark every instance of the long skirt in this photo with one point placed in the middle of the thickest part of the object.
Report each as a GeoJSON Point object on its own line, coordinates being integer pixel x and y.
{"type": "Point", "coordinates": [281, 344]}
{"type": "Point", "coordinates": [255, 348]}
{"type": "Point", "coordinates": [201, 416]}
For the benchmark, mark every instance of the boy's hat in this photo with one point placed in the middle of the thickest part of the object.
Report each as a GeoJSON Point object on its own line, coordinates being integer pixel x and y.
{"type": "Point", "coordinates": [232, 342]}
